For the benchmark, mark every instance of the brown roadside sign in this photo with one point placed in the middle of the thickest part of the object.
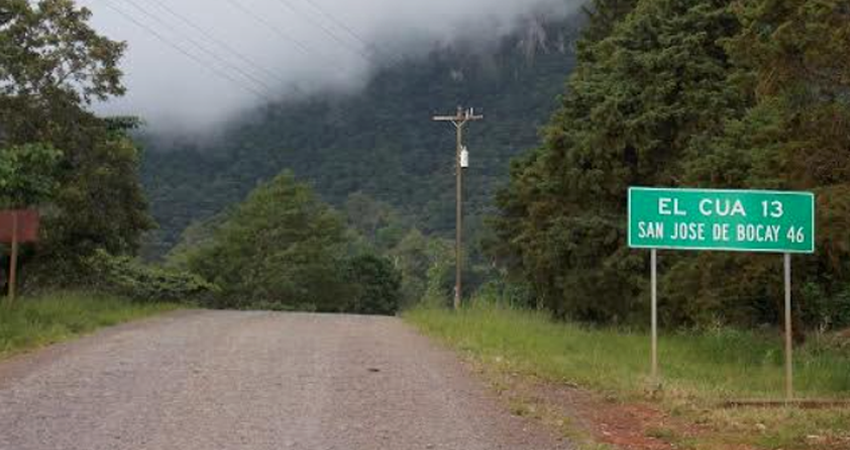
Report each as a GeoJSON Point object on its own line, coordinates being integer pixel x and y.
{"type": "Point", "coordinates": [27, 225]}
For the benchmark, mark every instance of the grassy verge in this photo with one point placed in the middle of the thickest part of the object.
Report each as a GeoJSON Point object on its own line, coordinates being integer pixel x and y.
{"type": "Point", "coordinates": [52, 318]}
{"type": "Point", "coordinates": [699, 371]}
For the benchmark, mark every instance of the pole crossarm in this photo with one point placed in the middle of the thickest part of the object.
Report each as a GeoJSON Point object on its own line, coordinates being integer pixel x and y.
{"type": "Point", "coordinates": [461, 118]}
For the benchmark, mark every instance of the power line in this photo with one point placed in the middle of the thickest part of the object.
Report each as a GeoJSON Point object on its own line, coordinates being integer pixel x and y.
{"type": "Point", "coordinates": [306, 50]}
{"type": "Point", "coordinates": [327, 31]}
{"type": "Point", "coordinates": [224, 62]}
{"type": "Point", "coordinates": [223, 44]}
{"type": "Point", "coordinates": [182, 51]}
{"type": "Point", "coordinates": [348, 29]}
{"type": "Point", "coordinates": [265, 22]}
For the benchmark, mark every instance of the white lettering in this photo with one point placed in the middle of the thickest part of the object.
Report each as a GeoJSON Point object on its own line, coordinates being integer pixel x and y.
{"type": "Point", "coordinates": [676, 210]}
{"type": "Point", "coordinates": [705, 207]}
{"type": "Point", "coordinates": [664, 206]}
{"type": "Point", "coordinates": [652, 230]}
{"type": "Point", "coordinates": [721, 232]}
{"type": "Point", "coordinates": [723, 208]}
{"type": "Point", "coordinates": [689, 232]}
{"type": "Point", "coordinates": [738, 209]}
{"type": "Point", "coordinates": [758, 233]}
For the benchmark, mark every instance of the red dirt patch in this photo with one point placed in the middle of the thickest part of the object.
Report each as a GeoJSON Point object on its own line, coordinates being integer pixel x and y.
{"type": "Point", "coordinates": [589, 418]}
{"type": "Point", "coordinates": [627, 426]}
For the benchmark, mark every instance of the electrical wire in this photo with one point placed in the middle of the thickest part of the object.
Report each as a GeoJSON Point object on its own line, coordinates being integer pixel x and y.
{"type": "Point", "coordinates": [223, 44]}
{"type": "Point", "coordinates": [350, 30]}
{"type": "Point", "coordinates": [211, 54]}
{"type": "Point", "coordinates": [306, 50]}
{"type": "Point", "coordinates": [357, 51]}
{"type": "Point", "coordinates": [214, 70]}
{"type": "Point", "coordinates": [271, 26]}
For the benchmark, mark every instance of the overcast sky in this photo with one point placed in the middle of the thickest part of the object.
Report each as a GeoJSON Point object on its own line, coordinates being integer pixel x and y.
{"type": "Point", "coordinates": [235, 54]}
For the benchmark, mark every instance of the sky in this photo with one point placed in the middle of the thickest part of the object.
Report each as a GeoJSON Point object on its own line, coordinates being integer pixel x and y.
{"type": "Point", "coordinates": [195, 64]}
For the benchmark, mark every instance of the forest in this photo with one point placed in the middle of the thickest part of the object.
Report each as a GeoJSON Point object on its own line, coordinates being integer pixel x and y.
{"type": "Point", "coordinates": [380, 141]}
{"type": "Point", "coordinates": [693, 93]}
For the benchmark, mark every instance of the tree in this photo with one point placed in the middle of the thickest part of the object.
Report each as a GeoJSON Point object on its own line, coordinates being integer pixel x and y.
{"type": "Point", "coordinates": [27, 178]}
{"type": "Point", "coordinates": [633, 105]}
{"type": "Point", "coordinates": [53, 65]}
{"type": "Point", "coordinates": [705, 93]}
{"type": "Point", "coordinates": [48, 51]}
{"type": "Point", "coordinates": [377, 286]}
{"type": "Point", "coordinates": [792, 60]}
{"type": "Point", "coordinates": [282, 248]}
{"type": "Point", "coordinates": [27, 175]}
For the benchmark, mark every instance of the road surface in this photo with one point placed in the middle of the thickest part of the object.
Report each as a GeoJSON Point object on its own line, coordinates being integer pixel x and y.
{"type": "Point", "coordinates": [254, 381]}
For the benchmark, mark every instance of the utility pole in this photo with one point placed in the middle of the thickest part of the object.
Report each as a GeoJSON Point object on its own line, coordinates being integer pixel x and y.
{"type": "Point", "coordinates": [460, 120]}
{"type": "Point", "coordinates": [13, 263]}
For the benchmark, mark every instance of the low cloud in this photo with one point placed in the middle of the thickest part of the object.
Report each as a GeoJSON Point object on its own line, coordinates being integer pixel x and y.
{"type": "Point", "coordinates": [193, 64]}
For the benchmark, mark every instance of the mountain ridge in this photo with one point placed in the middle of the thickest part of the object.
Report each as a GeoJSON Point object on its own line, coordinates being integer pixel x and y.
{"type": "Point", "coordinates": [379, 141]}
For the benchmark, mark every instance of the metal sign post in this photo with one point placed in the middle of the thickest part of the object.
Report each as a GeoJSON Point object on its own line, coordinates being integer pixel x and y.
{"type": "Point", "coordinates": [654, 315]}
{"type": "Point", "coordinates": [723, 220]}
{"type": "Point", "coordinates": [789, 337]}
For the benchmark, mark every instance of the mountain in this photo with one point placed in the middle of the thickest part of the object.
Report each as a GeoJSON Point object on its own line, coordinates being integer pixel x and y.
{"type": "Point", "coordinates": [381, 140]}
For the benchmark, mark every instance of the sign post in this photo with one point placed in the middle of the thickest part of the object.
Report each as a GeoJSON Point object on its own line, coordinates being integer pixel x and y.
{"type": "Point", "coordinates": [13, 263]}
{"type": "Point", "coordinates": [17, 227]}
{"type": "Point", "coordinates": [654, 315]}
{"type": "Point", "coordinates": [789, 336]}
{"type": "Point", "coordinates": [723, 220]}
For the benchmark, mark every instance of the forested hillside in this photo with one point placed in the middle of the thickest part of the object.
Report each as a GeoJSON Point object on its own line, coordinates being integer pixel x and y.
{"type": "Point", "coordinates": [693, 93]}
{"type": "Point", "coordinates": [380, 141]}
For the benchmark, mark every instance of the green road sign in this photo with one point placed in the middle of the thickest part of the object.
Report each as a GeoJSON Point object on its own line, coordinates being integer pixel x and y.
{"type": "Point", "coordinates": [701, 219]}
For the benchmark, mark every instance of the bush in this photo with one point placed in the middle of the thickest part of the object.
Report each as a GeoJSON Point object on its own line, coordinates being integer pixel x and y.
{"type": "Point", "coordinates": [282, 249]}
{"type": "Point", "coordinates": [128, 277]}
{"type": "Point", "coordinates": [376, 286]}
{"type": "Point", "coordinates": [826, 311]}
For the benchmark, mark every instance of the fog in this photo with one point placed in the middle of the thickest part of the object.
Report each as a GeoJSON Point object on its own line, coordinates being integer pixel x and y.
{"type": "Point", "coordinates": [193, 64]}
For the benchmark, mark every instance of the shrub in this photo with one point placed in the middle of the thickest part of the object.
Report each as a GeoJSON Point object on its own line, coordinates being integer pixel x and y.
{"type": "Point", "coordinates": [282, 248]}
{"type": "Point", "coordinates": [376, 286]}
{"type": "Point", "coordinates": [128, 277]}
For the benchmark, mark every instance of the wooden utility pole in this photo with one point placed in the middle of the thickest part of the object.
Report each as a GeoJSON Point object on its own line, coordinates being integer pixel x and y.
{"type": "Point", "coordinates": [13, 263]}
{"type": "Point", "coordinates": [460, 120]}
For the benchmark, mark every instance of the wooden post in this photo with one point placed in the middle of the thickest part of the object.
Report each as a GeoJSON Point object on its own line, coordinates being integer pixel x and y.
{"type": "Point", "coordinates": [654, 315]}
{"type": "Point", "coordinates": [459, 224]}
{"type": "Point", "coordinates": [460, 120]}
{"type": "Point", "coordinates": [13, 264]}
{"type": "Point", "coordinates": [789, 337]}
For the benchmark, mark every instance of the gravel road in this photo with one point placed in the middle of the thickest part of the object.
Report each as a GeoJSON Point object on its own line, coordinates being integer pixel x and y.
{"type": "Point", "coordinates": [234, 380]}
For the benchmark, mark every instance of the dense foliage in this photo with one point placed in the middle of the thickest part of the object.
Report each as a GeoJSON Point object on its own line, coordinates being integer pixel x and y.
{"type": "Point", "coordinates": [52, 66]}
{"type": "Point", "coordinates": [128, 278]}
{"type": "Point", "coordinates": [377, 286]}
{"type": "Point", "coordinates": [282, 246]}
{"type": "Point", "coordinates": [284, 249]}
{"type": "Point", "coordinates": [27, 175]}
{"type": "Point", "coordinates": [708, 93]}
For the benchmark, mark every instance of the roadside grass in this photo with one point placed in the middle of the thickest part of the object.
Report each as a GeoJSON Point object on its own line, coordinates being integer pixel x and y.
{"type": "Point", "coordinates": [699, 371]}
{"type": "Point", "coordinates": [51, 318]}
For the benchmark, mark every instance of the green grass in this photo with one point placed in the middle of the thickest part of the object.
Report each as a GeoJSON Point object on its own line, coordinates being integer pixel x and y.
{"type": "Point", "coordinates": [717, 365]}
{"type": "Point", "coordinates": [51, 318]}
{"type": "Point", "coordinates": [699, 371]}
